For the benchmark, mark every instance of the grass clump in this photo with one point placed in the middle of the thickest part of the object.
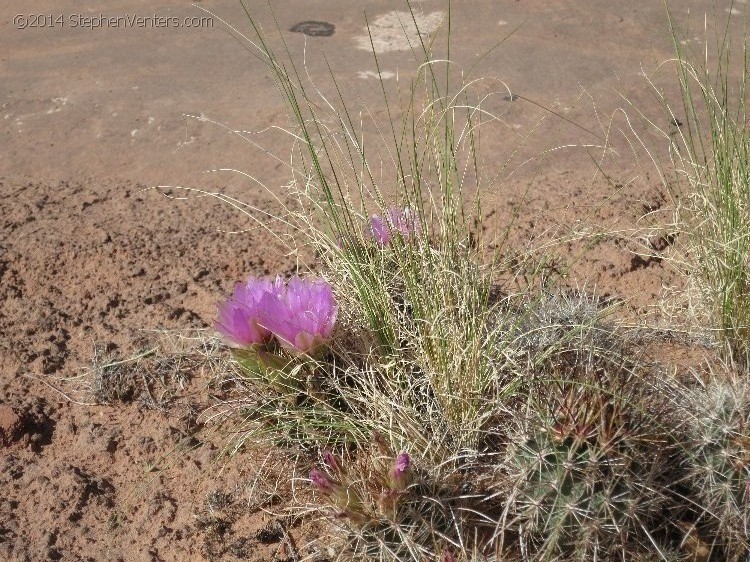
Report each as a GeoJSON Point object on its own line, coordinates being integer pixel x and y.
{"type": "Point", "coordinates": [156, 376]}
{"type": "Point", "coordinates": [711, 153]}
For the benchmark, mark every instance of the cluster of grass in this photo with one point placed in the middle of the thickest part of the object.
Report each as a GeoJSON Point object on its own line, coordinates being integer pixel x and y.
{"type": "Point", "coordinates": [709, 152]}
{"type": "Point", "coordinates": [156, 376]}
{"type": "Point", "coordinates": [714, 155]}
{"type": "Point", "coordinates": [534, 428]}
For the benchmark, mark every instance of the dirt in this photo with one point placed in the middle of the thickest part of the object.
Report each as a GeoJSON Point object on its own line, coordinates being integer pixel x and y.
{"type": "Point", "coordinates": [99, 267]}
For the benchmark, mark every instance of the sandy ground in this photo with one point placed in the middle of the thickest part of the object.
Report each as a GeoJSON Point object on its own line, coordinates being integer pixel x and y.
{"type": "Point", "coordinates": [96, 265]}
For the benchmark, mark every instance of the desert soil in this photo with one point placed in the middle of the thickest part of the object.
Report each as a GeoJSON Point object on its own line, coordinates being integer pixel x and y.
{"type": "Point", "coordinates": [97, 265]}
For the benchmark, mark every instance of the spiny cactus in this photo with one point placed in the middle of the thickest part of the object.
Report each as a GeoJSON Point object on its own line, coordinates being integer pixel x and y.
{"type": "Point", "coordinates": [585, 469]}
{"type": "Point", "coordinates": [720, 464]}
{"type": "Point", "coordinates": [389, 509]}
{"type": "Point", "coordinates": [570, 323]}
{"type": "Point", "coordinates": [367, 488]}
{"type": "Point", "coordinates": [572, 500]}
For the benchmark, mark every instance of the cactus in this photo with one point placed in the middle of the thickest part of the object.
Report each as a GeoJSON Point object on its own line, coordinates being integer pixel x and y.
{"type": "Point", "coordinates": [720, 465]}
{"type": "Point", "coordinates": [583, 472]}
{"type": "Point", "coordinates": [571, 500]}
{"type": "Point", "coordinates": [389, 508]}
{"type": "Point", "coordinates": [366, 489]}
{"type": "Point", "coordinates": [567, 326]}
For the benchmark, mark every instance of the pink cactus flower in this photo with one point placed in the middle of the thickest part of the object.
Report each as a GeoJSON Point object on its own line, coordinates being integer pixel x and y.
{"type": "Point", "coordinates": [240, 318]}
{"type": "Point", "coordinates": [301, 313]}
{"type": "Point", "coordinates": [302, 316]}
{"type": "Point", "coordinates": [403, 222]}
{"type": "Point", "coordinates": [379, 230]}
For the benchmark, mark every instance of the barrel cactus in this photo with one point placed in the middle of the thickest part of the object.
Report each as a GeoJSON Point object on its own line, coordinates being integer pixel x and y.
{"type": "Point", "coordinates": [584, 468]}
{"type": "Point", "coordinates": [720, 463]}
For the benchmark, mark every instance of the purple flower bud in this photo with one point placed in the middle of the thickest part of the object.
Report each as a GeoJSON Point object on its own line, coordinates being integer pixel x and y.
{"type": "Point", "coordinates": [341, 496]}
{"type": "Point", "coordinates": [402, 464]}
{"type": "Point", "coordinates": [321, 481]}
{"type": "Point", "coordinates": [401, 475]}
